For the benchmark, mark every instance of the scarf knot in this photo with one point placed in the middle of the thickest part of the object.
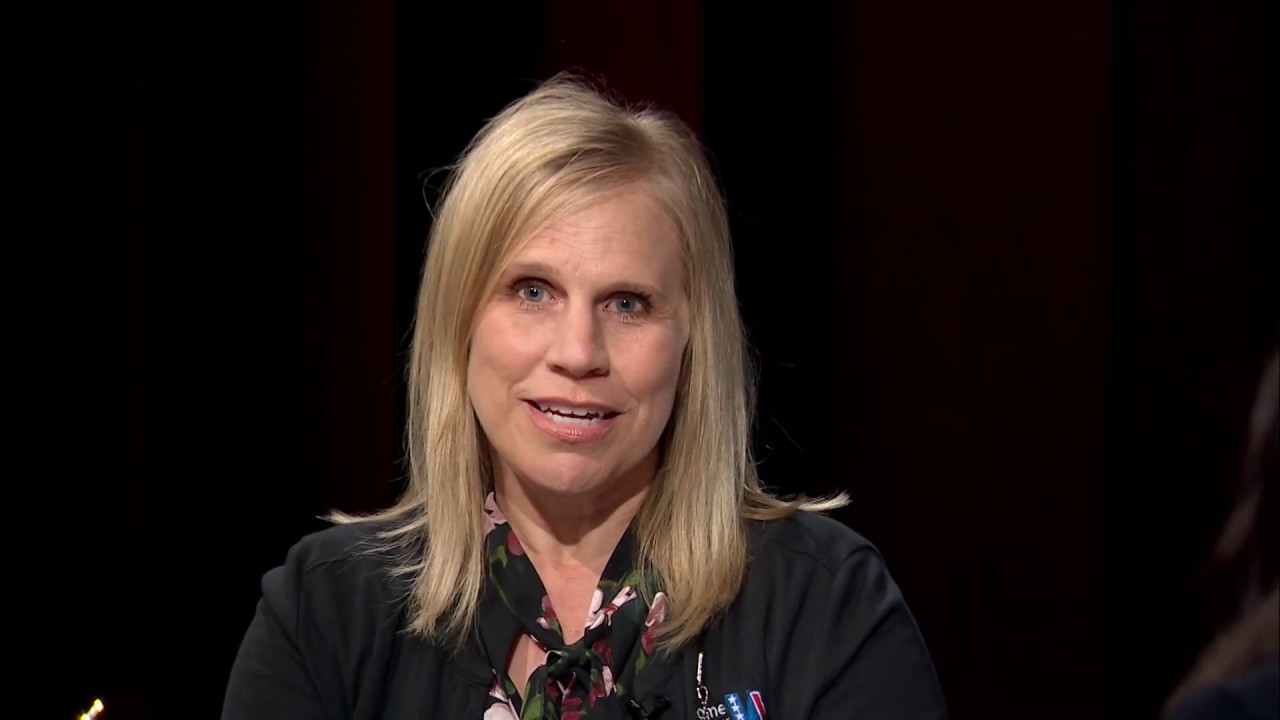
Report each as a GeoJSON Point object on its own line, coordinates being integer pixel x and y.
{"type": "Point", "coordinates": [572, 660]}
{"type": "Point", "coordinates": [593, 678]}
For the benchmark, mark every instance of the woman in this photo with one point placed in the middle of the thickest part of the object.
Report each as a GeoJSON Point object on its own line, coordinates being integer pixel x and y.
{"type": "Point", "coordinates": [1237, 675]}
{"type": "Point", "coordinates": [583, 535]}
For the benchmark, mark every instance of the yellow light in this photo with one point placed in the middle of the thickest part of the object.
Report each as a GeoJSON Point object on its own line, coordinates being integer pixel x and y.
{"type": "Point", "coordinates": [94, 710]}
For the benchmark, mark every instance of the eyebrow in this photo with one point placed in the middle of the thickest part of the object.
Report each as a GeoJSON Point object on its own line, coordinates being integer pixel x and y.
{"type": "Point", "coordinates": [528, 267]}
{"type": "Point", "coordinates": [537, 268]}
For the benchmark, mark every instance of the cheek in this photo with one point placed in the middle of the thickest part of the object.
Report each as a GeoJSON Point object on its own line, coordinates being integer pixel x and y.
{"type": "Point", "coordinates": [501, 355]}
{"type": "Point", "coordinates": [653, 369]}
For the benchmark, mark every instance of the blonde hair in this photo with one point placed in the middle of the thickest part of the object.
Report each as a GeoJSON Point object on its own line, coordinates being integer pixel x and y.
{"type": "Point", "coordinates": [559, 147]}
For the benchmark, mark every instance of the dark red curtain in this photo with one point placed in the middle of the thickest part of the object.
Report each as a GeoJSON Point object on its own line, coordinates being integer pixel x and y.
{"type": "Point", "coordinates": [1004, 267]}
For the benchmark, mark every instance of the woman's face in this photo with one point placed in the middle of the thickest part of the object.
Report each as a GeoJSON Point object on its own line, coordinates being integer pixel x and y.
{"type": "Point", "coordinates": [575, 357]}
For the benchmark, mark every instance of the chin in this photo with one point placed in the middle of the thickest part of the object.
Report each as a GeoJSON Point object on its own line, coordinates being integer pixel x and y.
{"type": "Point", "coordinates": [567, 476]}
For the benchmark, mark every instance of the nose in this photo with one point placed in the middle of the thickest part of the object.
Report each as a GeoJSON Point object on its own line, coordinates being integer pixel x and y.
{"type": "Point", "coordinates": [578, 349]}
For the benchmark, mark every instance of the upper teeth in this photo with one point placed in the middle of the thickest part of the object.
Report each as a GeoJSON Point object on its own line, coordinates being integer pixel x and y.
{"type": "Point", "coordinates": [567, 410]}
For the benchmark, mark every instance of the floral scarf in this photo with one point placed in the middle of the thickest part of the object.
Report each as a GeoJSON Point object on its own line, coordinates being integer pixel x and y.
{"type": "Point", "coordinates": [600, 676]}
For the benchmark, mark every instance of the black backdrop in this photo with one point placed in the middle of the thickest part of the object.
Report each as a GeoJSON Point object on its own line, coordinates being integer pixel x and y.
{"type": "Point", "coordinates": [1004, 265]}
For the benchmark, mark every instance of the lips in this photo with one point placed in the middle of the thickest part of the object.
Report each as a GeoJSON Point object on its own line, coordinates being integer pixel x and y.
{"type": "Point", "coordinates": [571, 423]}
{"type": "Point", "coordinates": [575, 412]}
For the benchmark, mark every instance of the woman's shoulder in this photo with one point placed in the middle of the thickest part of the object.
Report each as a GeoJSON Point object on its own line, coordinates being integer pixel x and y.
{"type": "Point", "coordinates": [819, 606]}
{"type": "Point", "coordinates": [340, 568]}
{"type": "Point", "coordinates": [359, 542]}
{"type": "Point", "coordinates": [328, 621]}
{"type": "Point", "coordinates": [807, 538]}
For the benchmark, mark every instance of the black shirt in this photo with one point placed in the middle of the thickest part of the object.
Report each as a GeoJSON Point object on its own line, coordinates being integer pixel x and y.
{"type": "Point", "coordinates": [819, 631]}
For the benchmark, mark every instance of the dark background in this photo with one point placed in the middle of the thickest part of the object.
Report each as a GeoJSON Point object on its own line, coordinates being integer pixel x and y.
{"type": "Point", "coordinates": [1003, 265]}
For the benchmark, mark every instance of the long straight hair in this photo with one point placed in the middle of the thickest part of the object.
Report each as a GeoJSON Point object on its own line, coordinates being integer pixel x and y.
{"type": "Point", "coordinates": [557, 148]}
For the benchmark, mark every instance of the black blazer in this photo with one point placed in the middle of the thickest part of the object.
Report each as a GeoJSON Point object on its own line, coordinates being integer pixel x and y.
{"type": "Point", "coordinates": [819, 632]}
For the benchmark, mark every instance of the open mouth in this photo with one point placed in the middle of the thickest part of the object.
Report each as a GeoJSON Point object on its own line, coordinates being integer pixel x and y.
{"type": "Point", "coordinates": [567, 415]}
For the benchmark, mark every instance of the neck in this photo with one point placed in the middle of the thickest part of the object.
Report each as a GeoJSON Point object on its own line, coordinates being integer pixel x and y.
{"type": "Point", "coordinates": [577, 530]}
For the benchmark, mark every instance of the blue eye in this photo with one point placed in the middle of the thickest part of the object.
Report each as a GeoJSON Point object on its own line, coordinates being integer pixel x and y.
{"type": "Point", "coordinates": [532, 293]}
{"type": "Point", "coordinates": [629, 305]}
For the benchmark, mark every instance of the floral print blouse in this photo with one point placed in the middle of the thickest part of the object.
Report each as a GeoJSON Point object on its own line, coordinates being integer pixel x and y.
{"type": "Point", "coordinates": [598, 676]}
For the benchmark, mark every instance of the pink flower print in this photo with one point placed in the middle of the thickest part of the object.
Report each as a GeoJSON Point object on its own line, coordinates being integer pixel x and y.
{"type": "Point", "coordinates": [597, 615]}
{"type": "Point", "coordinates": [493, 516]}
{"type": "Point", "coordinates": [602, 649]}
{"type": "Point", "coordinates": [500, 712]}
{"type": "Point", "coordinates": [603, 688]}
{"type": "Point", "coordinates": [657, 615]}
{"type": "Point", "coordinates": [503, 709]}
{"type": "Point", "coordinates": [597, 599]}
{"type": "Point", "coordinates": [548, 614]}
{"type": "Point", "coordinates": [607, 674]}
{"type": "Point", "coordinates": [513, 545]}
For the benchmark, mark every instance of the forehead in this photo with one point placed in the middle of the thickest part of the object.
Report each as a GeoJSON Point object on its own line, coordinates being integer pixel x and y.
{"type": "Point", "coordinates": [624, 232]}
